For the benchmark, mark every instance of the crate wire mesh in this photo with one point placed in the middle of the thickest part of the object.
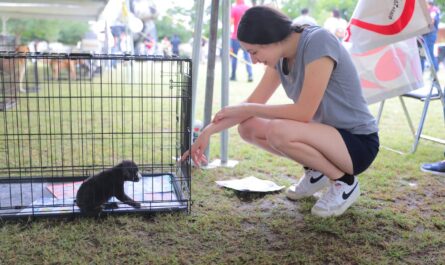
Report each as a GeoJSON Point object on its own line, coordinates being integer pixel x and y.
{"type": "Point", "coordinates": [81, 114]}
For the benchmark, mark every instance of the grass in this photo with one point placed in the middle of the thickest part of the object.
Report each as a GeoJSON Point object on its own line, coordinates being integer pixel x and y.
{"type": "Point", "coordinates": [399, 218]}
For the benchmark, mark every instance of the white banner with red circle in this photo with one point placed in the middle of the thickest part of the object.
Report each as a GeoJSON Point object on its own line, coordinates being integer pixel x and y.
{"type": "Point", "coordinates": [389, 71]}
{"type": "Point", "coordinates": [381, 39]}
{"type": "Point", "coordinates": [376, 23]}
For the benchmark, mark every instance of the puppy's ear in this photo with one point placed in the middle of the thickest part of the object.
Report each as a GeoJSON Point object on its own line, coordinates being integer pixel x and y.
{"type": "Point", "coordinates": [126, 172]}
{"type": "Point", "coordinates": [120, 165]}
{"type": "Point", "coordinates": [129, 169]}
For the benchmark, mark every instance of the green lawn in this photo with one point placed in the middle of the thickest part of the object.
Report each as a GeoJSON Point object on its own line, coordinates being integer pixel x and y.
{"type": "Point", "coordinates": [399, 218]}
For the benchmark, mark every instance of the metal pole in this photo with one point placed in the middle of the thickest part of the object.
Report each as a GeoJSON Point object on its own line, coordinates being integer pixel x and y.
{"type": "Point", "coordinates": [196, 53]}
{"type": "Point", "coordinates": [129, 33]}
{"type": "Point", "coordinates": [106, 48]}
{"type": "Point", "coordinates": [4, 22]}
{"type": "Point", "coordinates": [225, 74]}
{"type": "Point", "coordinates": [211, 65]}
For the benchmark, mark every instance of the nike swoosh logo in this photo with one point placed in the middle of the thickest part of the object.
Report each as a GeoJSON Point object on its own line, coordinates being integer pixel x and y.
{"type": "Point", "coordinates": [345, 196]}
{"type": "Point", "coordinates": [313, 180]}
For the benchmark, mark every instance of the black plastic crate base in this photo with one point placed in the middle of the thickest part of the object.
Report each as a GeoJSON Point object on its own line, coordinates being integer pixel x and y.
{"type": "Point", "coordinates": [55, 197]}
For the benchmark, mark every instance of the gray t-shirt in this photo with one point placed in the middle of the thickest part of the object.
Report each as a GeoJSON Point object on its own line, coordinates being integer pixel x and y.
{"type": "Point", "coordinates": [343, 105]}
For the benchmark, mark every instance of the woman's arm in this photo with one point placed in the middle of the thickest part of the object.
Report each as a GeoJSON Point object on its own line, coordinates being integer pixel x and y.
{"type": "Point", "coordinates": [266, 87]}
{"type": "Point", "coordinates": [317, 75]}
{"type": "Point", "coordinates": [264, 90]}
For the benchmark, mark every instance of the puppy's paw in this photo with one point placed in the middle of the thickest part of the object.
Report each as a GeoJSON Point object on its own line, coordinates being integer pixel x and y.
{"type": "Point", "coordinates": [110, 205]}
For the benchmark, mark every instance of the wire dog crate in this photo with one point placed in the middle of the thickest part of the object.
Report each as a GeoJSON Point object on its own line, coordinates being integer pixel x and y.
{"type": "Point", "coordinates": [85, 114]}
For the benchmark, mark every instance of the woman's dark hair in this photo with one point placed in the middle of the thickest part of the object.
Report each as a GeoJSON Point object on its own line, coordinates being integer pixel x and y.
{"type": "Point", "coordinates": [265, 25]}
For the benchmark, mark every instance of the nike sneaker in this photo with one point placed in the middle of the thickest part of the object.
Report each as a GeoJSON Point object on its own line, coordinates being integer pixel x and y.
{"type": "Point", "coordinates": [311, 182]}
{"type": "Point", "coordinates": [337, 199]}
{"type": "Point", "coordinates": [437, 168]}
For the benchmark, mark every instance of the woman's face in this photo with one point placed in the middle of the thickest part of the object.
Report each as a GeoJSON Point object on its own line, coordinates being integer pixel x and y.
{"type": "Point", "coordinates": [267, 54]}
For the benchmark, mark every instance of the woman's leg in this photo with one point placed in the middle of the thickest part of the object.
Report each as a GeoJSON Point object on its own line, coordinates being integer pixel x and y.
{"type": "Point", "coordinates": [318, 146]}
{"type": "Point", "coordinates": [253, 131]}
{"type": "Point", "coordinates": [314, 145]}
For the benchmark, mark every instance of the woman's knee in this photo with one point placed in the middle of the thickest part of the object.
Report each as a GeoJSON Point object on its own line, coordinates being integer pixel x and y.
{"type": "Point", "coordinates": [274, 133]}
{"type": "Point", "coordinates": [246, 129]}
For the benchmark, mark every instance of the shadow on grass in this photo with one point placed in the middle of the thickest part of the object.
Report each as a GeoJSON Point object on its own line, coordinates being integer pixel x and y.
{"type": "Point", "coordinates": [248, 196]}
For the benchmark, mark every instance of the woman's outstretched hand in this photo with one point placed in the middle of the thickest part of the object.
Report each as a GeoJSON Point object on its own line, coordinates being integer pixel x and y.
{"type": "Point", "coordinates": [225, 118]}
{"type": "Point", "coordinates": [197, 150]}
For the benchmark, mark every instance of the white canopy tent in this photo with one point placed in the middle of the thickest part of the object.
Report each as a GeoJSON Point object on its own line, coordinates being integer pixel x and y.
{"type": "Point", "coordinates": [94, 11]}
{"type": "Point", "coordinates": [52, 9]}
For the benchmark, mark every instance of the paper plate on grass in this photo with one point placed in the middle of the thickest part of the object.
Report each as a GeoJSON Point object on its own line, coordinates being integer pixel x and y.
{"type": "Point", "coordinates": [250, 184]}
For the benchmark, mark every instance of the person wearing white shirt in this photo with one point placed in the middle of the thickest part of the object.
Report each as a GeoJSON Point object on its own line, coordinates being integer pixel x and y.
{"type": "Point", "coordinates": [305, 18]}
{"type": "Point", "coordinates": [336, 24]}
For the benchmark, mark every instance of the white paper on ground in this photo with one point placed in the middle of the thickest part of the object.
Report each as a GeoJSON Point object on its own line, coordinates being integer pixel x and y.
{"type": "Point", "coordinates": [251, 183]}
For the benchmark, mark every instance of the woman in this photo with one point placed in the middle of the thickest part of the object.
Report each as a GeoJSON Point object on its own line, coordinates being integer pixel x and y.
{"type": "Point", "coordinates": [328, 129]}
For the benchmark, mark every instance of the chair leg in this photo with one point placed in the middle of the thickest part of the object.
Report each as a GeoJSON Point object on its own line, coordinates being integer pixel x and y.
{"type": "Point", "coordinates": [442, 98]}
{"type": "Point", "coordinates": [417, 134]}
{"type": "Point", "coordinates": [420, 127]}
{"type": "Point", "coordinates": [379, 114]}
{"type": "Point", "coordinates": [407, 116]}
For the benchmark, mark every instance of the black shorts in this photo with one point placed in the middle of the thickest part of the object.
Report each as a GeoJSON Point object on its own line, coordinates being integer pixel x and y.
{"type": "Point", "coordinates": [362, 148]}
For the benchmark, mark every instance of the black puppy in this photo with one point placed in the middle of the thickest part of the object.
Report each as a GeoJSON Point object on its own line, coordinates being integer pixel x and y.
{"type": "Point", "coordinates": [98, 189]}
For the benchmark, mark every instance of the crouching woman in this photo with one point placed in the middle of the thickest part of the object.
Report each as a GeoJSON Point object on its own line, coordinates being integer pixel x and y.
{"type": "Point", "coordinates": [328, 128]}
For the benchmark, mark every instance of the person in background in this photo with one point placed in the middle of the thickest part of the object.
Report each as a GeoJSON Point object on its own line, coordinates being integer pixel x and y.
{"type": "Point", "coordinates": [430, 38]}
{"type": "Point", "coordinates": [304, 18]}
{"type": "Point", "coordinates": [166, 46]}
{"type": "Point", "coordinates": [149, 45]}
{"type": "Point", "coordinates": [204, 50]}
{"type": "Point", "coordinates": [336, 24]}
{"type": "Point", "coordinates": [327, 128]}
{"type": "Point", "coordinates": [237, 12]}
{"type": "Point", "coordinates": [175, 41]}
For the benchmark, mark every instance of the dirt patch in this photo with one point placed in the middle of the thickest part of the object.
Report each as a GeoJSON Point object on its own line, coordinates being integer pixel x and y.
{"type": "Point", "coordinates": [266, 206]}
{"type": "Point", "coordinates": [419, 198]}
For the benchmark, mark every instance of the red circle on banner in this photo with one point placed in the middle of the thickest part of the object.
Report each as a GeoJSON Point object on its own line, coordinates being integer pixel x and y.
{"type": "Point", "coordinates": [388, 68]}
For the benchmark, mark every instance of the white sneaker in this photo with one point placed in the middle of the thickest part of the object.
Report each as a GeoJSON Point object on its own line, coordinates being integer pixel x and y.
{"type": "Point", "coordinates": [311, 182]}
{"type": "Point", "coordinates": [337, 199]}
